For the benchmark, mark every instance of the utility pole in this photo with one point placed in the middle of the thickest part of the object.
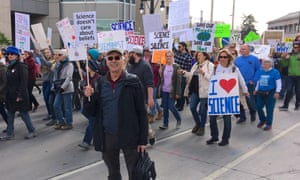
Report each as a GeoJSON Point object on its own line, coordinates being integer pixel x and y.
{"type": "Point", "coordinates": [212, 11]}
{"type": "Point", "coordinates": [201, 16]}
{"type": "Point", "coordinates": [152, 7]}
{"type": "Point", "coordinates": [233, 12]}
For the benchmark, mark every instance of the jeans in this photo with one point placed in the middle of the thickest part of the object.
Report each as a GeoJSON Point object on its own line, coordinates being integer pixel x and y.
{"type": "Point", "coordinates": [46, 93]}
{"type": "Point", "coordinates": [293, 82]}
{"type": "Point", "coordinates": [64, 101]}
{"type": "Point", "coordinates": [201, 115]}
{"type": "Point", "coordinates": [111, 157]}
{"type": "Point", "coordinates": [169, 103]}
{"type": "Point", "coordinates": [3, 112]}
{"type": "Point", "coordinates": [25, 117]}
{"type": "Point", "coordinates": [214, 132]}
{"type": "Point", "coordinates": [181, 100]}
{"type": "Point", "coordinates": [156, 105]}
{"type": "Point", "coordinates": [250, 102]}
{"type": "Point", "coordinates": [88, 135]}
{"type": "Point", "coordinates": [268, 101]}
{"type": "Point", "coordinates": [51, 104]}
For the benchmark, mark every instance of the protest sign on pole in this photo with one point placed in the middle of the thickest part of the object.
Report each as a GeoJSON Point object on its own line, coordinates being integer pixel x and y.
{"type": "Point", "coordinates": [236, 37]}
{"type": "Point", "coordinates": [223, 95]}
{"type": "Point", "coordinates": [22, 31]}
{"type": "Point", "coordinates": [39, 35]}
{"type": "Point", "coordinates": [49, 35]}
{"type": "Point", "coordinates": [152, 23]}
{"type": "Point", "coordinates": [85, 27]}
{"type": "Point", "coordinates": [251, 36]}
{"type": "Point", "coordinates": [222, 30]}
{"type": "Point", "coordinates": [127, 26]}
{"type": "Point", "coordinates": [203, 37]}
{"type": "Point", "coordinates": [135, 40]}
{"type": "Point", "coordinates": [179, 15]}
{"type": "Point", "coordinates": [111, 39]}
{"type": "Point", "coordinates": [160, 40]}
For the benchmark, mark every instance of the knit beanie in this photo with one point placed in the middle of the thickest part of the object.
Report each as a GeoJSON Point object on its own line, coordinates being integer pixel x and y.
{"type": "Point", "coordinates": [93, 53]}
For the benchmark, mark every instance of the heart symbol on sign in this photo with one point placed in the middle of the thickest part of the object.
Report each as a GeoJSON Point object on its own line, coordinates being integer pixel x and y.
{"type": "Point", "coordinates": [227, 85]}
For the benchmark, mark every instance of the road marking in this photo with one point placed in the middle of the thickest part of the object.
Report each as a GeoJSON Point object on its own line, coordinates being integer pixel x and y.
{"type": "Point", "coordinates": [255, 150]}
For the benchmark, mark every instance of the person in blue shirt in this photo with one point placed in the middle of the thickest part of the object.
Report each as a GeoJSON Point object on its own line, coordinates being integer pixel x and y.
{"type": "Point", "coordinates": [267, 91]}
{"type": "Point", "coordinates": [248, 66]}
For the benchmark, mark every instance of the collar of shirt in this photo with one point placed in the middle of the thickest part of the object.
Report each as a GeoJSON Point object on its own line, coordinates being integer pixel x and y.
{"type": "Point", "coordinates": [113, 83]}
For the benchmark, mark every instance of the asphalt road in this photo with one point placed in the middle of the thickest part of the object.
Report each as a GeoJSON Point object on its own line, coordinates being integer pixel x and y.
{"type": "Point", "coordinates": [178, 154]}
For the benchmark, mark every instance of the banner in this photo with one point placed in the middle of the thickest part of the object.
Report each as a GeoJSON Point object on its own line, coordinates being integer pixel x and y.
{"type": "Point", "coordinates": [203, 37]}
{"type": "Point", "coordinates": [39, 35]}
{"type": "Point", "coordinates": [85, 27]}
{"type": "Point", "coordinates": [111, 39]}
{"type": "Point", "coordinates": [222, 30]}
{"type": "Point", "coordinates": [160, 41]}
{"type": "Point", "coordinates": [135, 40]}
{"type": "Point", "coordinates": [22, 31]}
{"type": "Point", "coordinates": [223, 95]}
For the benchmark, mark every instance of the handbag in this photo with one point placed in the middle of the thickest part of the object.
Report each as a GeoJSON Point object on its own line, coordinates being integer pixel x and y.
{"type": "Point", "coordinates": [145, 168]}
{"type": "Point", "coordinates": [57, 83]}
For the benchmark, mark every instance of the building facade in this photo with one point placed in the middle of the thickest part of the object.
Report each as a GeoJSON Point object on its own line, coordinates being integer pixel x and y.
{"type": "Point", "coordinates": [290, 23]}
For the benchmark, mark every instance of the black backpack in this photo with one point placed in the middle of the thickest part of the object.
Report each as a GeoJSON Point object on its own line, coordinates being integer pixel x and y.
{"type": "Point", "coordinates": [145, 169]}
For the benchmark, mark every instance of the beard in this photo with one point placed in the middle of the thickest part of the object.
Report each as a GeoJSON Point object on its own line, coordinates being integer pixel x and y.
{"type": "Point", "coordinates": [131, 60]}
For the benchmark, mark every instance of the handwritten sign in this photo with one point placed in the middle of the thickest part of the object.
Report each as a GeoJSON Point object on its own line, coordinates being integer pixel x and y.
{"type": "Point", "coordinates": [135, 40]}
{"type": "Point", "coordinates": [159, 56]}
{"type": "Point", "coordinates": [222, 30]}
{"type": "Point", "coordinates": [251, 36]}
{"type": "Point", "coordinates": [223, 96]}
{"type": "Point", "coordinates": [236, 37]}
{"type": "Point", "coordinates": [259, 50]}
{"type": "Point", "coordinates": [85, 27]}
{"type": "Point", "coordinates": [22, 31]}
{"type": "Point", "coordinates": [286, 47]}
{"type": "Point", "coordinates": [39, 34]}
{"type": "Point", "coordinates": [111, 39]}
{"type": "Point", "coordinates": [203, 37]}
{"type": "Point", "coordinates": [160, 41]}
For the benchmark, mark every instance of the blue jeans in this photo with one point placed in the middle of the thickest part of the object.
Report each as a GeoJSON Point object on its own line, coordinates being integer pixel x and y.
{"type": "Point", "coordinates": [268, 101]}
{"type": "Point", "coordinates": [201, 115]}
{"type": "Point", "coordinates": [169, 104]}
{"type": "Point", "coordinates": [250, 102]}
{"type": "Point", "coordinates": [214, 131]}
{"type": "Point", "coordinates": [63, 101]}
{"type": "Point", "coordinates": [88, 135]}
{"type": "Point", "coordinates": [46, 86]}
{"type": "Point", "coordinates": [156, 105]}
{"type": "Point", "coordinates": [25, 117]}
{"type": "Point", "coordinates": [51, 104]}
{"type": "Point", "coordinates": [293, 83]}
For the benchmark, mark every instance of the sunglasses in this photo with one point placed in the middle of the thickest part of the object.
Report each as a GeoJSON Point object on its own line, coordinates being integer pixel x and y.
{"type": "Point", "coordinates": [225, 57]}
{"type": "Point", "coordinates": [296, 47]}
{"type": "Point", "coordinates": [10, 54]}
{"type": "Point", "coordinates": [58, 54]}
{"type": "Point", "coordinates": [117, 58]}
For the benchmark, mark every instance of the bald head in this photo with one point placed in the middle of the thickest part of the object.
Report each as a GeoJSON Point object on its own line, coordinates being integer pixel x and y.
{"type": "Point", "coordinates": [244, 50]}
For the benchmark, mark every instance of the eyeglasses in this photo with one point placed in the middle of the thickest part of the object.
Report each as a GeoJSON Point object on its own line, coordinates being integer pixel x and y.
{"type": "Point", "coordinates": [110, 58]}
{"type": "Point", "coordinates": [10, 54]}
{"type": "Point", "coordinates": [225, 57]}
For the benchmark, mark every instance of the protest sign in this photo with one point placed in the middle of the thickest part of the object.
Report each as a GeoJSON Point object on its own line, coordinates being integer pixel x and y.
{"type": "Point", "coordinates": [49, 35]}
{"type": "Point", "coordinates": [286, 47]}
{"type": "Point", "coordinates": [179, 15]}
{"type": "Point", "coordinates": [222, 30]}
{"type": "Point", "coordinates": [288, 39]}
{"type": "Point", "coordinates": [160, 41]}
{"type": "Point", "coordinates": [273, 34]}
{"type": "Point", "coordinates": [251, 36]}
{"type": "Point", "coordinates": [159, 56]}
{"type": "Point", "coordinates": [223, 95]}
{"type": "Point", "coordinates": [127, 26]}
{"type": "Point", "coordinates": [135, 40]}
{"type": "Point", "coordinates": [236, 37]}
{"type": "Point", "coordinates": [39, 35]}
{"type": "Point", "coordinates": [203, 37]}
{"type": "Point", "coordinates": [152, 23]}
{"type": "Point", "coordinates": [85, 27]}
{"type": "Point", "coordinates": [259, 50]}
{"type": "Point", "coordinates": [22, 31]}
{"type": "Point", "coordinates": [111, 39]}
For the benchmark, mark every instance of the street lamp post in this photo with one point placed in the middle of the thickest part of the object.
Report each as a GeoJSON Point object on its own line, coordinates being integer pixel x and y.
{"type": "Point", "coordinates": [152, 6]}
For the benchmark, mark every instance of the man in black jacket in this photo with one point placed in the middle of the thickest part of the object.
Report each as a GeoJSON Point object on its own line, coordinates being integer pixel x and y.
{"type": "Point", "coordinates": [121, 117]}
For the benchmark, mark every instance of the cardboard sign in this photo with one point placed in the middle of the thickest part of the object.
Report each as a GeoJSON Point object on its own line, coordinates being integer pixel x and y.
{"type": "Point", "coordinates": [273, 34]}
{"type": "Point", "coordinates": [152, 23]}
{"type": "Point", "coordinates": [159, 56]}
{"type": "Point", "coordinates": [203, 37]}
{"type": "Point", "coordinates": [111, 39]}
{"type": "Point", "coordinates": [39, 35]}
{"type": "Point", "coordinates": [160, 41]}
{"type": "Point", "coordinates": [223, 95]}
{"type": "Point", "coordinates": [22, 31]}
{"type": "Point", "coordinates": [222, 30]}
{"type": "Point", "coordinates": [251, 36]}
{"type": "Point", "coordinates": [85, 27]}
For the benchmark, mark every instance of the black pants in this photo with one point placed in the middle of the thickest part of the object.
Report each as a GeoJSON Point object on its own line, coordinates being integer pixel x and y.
{"type": "Point", "coordinates": [111, 157]}
{"type": "Point", "coordinates": [31, 96]}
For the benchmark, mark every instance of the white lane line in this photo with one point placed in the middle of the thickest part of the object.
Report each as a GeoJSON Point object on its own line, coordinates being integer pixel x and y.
{"type": "Point", "coordinates": [255, 150]}
{"type": "Point", "coordinates": [64, 175]}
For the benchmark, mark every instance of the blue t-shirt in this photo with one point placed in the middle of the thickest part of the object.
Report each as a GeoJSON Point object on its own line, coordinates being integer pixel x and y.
{"type": "Point", "coordinates": [248, 66]}
{"type": "Point", "coordinates": [267, 79]}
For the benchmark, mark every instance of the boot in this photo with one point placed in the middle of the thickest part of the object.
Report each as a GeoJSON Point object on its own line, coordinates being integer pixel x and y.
{"type": "Point", "coordinates": [200, 131]}
{"type": "Point", "coordinates": [195, 129]}
{"type": "Point", "coordinates": [159, 115]}
{"type": "Point", "coordinates": [150, 118]}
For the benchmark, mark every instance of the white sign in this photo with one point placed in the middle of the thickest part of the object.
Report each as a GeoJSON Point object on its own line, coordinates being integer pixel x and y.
{"type": "Point", "coordinates": [179, 15]}
{"type": "Point", "coordinates": [111, 39]}
{"type": "Point", "coordinates": [39, 34]}
{"type": "Point", "coordinates": [286, 47]}
{"type": "Point", "coordinates": [85, 27]}
{"type": "Point", "coordinates": [260, 51]}
{"type": "Point", "coordinates": [236, 37]}
{"type": "Point", "coordinates": [135, 40]}
{"type": "Point", "coordinates": [160, 41]}
{"type": "Point", "coordinates": [77, 52]}
{"type": "Point", "coordinates": [223, 95]}
{"type": "Point", "coordinates": [22, 31]}
{"type": "Point", "coordinates": [151, 23]}
{"type": "Point", "coordinates": [203, 37]}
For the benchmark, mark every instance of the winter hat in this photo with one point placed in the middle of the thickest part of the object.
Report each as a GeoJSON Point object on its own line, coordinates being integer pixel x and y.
{"type": "Point", "coordinates": [137, 49]}
{"type": "Point", "coordinates": [93, 53]}
{"type": "Point", "coordinates": [93, 66]}
{"type": "Point", "coordinates": [267, 59]}
{"type": "Point", "coordinates": [12, 50]}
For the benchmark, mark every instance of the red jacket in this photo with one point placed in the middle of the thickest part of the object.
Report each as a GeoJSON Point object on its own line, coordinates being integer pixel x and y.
{"type": "Point", "coordinates": [32, 68]}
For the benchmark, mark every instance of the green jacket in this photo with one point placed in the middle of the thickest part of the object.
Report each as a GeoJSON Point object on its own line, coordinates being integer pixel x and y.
{"type": "Point", "coordinates": [176, 81]}
{"type": "Point", "coordinates": [293, 64]}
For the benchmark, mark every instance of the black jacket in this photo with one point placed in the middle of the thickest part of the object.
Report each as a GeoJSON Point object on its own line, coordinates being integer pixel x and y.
{"type": "Point", "coordinates": [16, 87]}
{"type": "Point", "coordinates": [133, 122]}
{"type": "Point", "coordinates": [2, 82]}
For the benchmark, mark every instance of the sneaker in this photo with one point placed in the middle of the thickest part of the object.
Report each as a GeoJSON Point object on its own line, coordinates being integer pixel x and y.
{"type": "Point", "coordinates": [6, 137]}
{"type": "Point", "coordinates": [35, 108]}
{"type": "Point", "coordinates": [267, 128]}
{"type": "Point", "coordinates": [296, 108]}
{"type": "Point", "coordinates": [30, 135]}
{"type": "Point", "coordinates": [51, 123]}
{"type": "Point", "coordinates": [253, 118]}
{"type": "Point", "coordinates": [47, 118]}
{"type": "Point", "coordinates": [200, 132]}
{"type": "Point", "coordinates": [283, 108]}
{"type": "Point", "coordinates": [84, 145]}
{"type": "Point", "coordinates": [211, 141]}
{"type": "Point", "coordinates": [66, 127]}
{"type": "Point", "coordinates": [261, 124]}
{"type": "Point", "coordinates": [159, 115]}
{"type": "Point", "coordinates": [195, 129]}
{"type": "Point", "coordinates": [163, 127]}
{"type": "Point", "coordinates": [223, 143]}
{"type": "Point", "coordinates": [178, 124]}
{"type": "Point", "coordinates": [241, 121]}
{"type": "Point", "coordinates": [58, 125]}
{"type": "Point", "coordinates": [150, 119]}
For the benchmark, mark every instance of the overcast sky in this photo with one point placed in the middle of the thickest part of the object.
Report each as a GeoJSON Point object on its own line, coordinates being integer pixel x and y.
{"type": "Point", "coordinates": [262, 10]}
